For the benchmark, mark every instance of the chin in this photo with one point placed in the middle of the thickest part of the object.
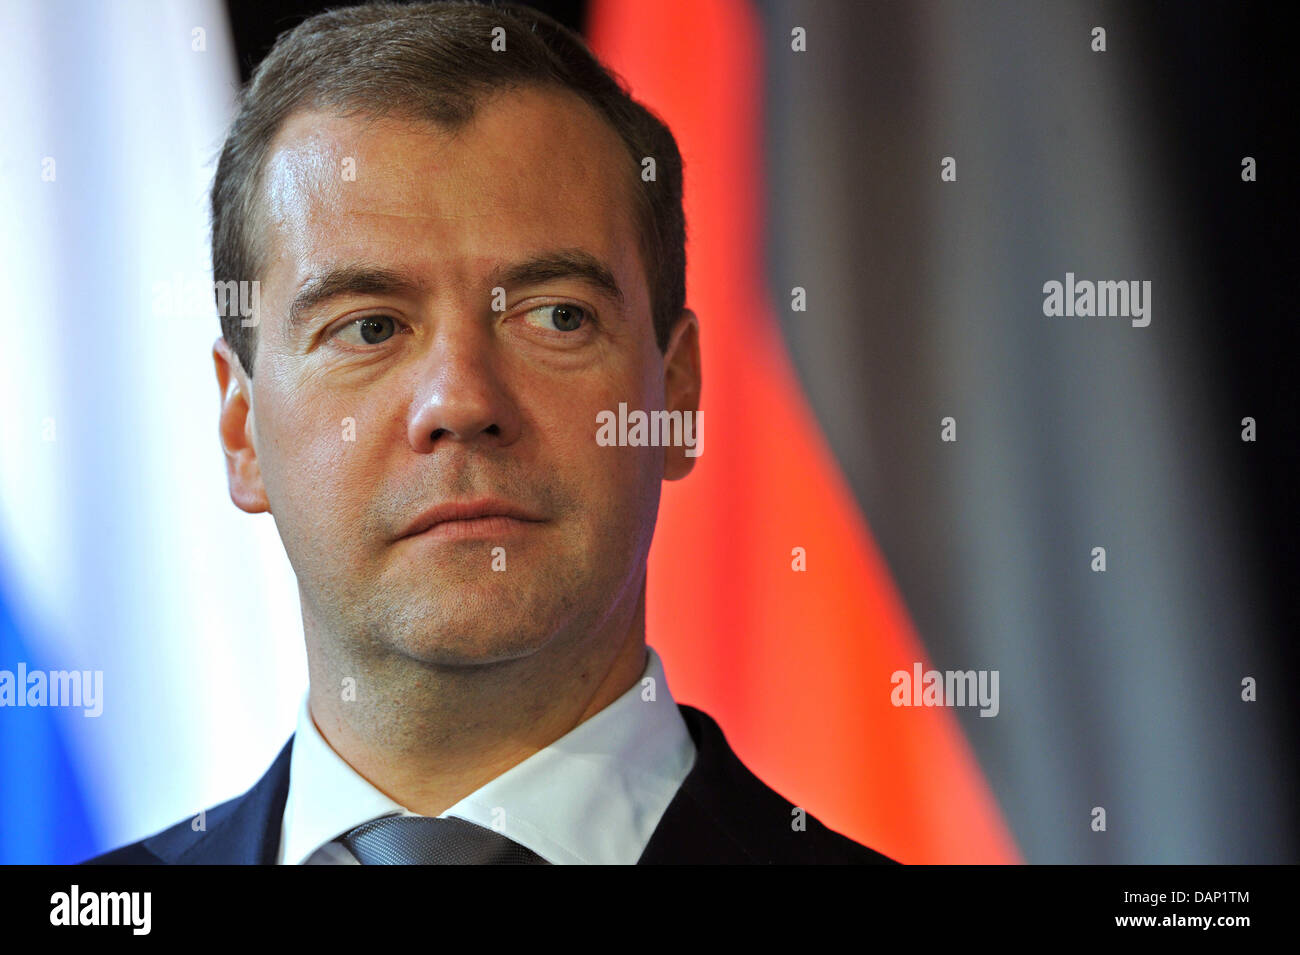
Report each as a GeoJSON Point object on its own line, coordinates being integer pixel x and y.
{"type": "Point", "coordinates": [475, 629]}
{"type": "Point", "coordinates": [440, 648]}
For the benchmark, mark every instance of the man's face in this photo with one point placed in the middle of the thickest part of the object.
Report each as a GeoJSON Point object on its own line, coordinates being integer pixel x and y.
{"type": "Point", "coordinates": [428, 335]}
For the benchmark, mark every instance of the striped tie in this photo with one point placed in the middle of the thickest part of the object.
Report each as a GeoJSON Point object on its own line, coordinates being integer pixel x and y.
{"type": "Point", "coordinates": [424, 840]}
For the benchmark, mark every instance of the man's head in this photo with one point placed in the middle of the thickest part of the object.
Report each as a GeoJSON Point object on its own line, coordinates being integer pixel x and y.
{"type": "Point", "coordinates": [439, 62]}
{"type": "Point", "coordinates": [457, 276]}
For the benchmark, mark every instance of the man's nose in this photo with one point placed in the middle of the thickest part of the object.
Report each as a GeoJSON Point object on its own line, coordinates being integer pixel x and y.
{"type": "Point", "coordinates": [460, 396]}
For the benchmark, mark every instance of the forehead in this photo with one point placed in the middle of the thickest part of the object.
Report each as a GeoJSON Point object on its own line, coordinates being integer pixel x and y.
{"type": "Point", "coordinates": [534, 169]}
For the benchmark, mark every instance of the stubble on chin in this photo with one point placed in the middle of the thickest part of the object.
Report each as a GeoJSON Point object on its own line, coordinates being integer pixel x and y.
{"type": "Point", "coordinates": [460, 619]}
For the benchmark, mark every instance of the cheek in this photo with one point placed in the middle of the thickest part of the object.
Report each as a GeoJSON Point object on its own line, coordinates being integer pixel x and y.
{"type": "Point", "coordinates": [314, 462]}
{"type": "Point", "coordinates": [618, 484]}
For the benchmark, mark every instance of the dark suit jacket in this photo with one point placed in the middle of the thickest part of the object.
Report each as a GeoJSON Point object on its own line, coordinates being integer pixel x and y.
{"type": "Point", "coordinates": [722, 813]}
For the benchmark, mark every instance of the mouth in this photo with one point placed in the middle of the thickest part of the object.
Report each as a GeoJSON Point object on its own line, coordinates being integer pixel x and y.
{"type": "Point", "coordinates": [463, 520]}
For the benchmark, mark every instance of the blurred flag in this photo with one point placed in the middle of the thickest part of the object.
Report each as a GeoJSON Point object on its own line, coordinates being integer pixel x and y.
{"type": "Point", "coordinates": [796, 665]}
{"type": "Point", "coordinates": [121, 551]}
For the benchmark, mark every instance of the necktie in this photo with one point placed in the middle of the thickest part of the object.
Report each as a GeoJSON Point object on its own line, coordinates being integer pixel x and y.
{"type": "Point", "coordinates": [425, 840]}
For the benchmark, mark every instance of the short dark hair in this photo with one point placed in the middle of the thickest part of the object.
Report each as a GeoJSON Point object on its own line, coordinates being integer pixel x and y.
{"type": "Point", "coordinates": [434, 61]}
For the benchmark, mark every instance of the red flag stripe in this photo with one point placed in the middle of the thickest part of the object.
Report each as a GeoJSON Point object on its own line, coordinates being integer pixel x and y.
{"type": "Point", "coordinates": [794, 665]}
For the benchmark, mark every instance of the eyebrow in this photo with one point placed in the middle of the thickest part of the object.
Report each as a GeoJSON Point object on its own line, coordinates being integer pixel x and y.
{"type": "Point", "coordinates": [345, 280]}
{"type": "Point", "coordinates": [368, 280]}
{"type": "Point", "coordinates": [564, 264]}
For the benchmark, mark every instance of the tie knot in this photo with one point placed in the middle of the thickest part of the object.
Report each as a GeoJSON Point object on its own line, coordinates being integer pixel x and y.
{"type": "Point", "coordinates": [425, 840]}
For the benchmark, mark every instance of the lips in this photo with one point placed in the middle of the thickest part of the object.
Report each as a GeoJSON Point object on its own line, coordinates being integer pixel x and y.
{"type": "Point", "coordinates": [481, 513]}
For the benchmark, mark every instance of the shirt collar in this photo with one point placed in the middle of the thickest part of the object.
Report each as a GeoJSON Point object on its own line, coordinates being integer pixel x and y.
{"type": "Point", "coordinates": [594, 796]}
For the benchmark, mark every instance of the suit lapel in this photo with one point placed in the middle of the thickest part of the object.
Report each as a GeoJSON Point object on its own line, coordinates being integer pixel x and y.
{"type": "Point", "coordinates": [243, 831]}
{"type": "Point", "coordinates": [692, 831]}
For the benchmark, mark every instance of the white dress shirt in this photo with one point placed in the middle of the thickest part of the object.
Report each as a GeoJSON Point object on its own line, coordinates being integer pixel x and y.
{"type": "Point", "coordinates": [594, 796]}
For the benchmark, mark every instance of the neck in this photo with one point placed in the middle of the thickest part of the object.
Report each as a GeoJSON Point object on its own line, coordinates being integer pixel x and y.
{"type": "Point", "coordinates": [427, 736]}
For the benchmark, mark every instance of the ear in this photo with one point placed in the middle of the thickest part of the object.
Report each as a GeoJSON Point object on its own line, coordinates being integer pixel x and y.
{"type": "Point", "coordinates": [682, 383]}
{"type": "Point", "coordinates": [235, 426]}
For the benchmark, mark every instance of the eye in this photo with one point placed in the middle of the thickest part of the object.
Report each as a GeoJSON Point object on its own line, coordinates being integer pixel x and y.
{"type": "Point", "coordinates": [562, 317]}
{"type": "Point", "coordinates": [368, 330]}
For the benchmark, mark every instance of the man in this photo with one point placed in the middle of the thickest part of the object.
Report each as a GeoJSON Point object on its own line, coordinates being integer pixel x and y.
{"type": "Point", "coordinates": [461, 268]}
